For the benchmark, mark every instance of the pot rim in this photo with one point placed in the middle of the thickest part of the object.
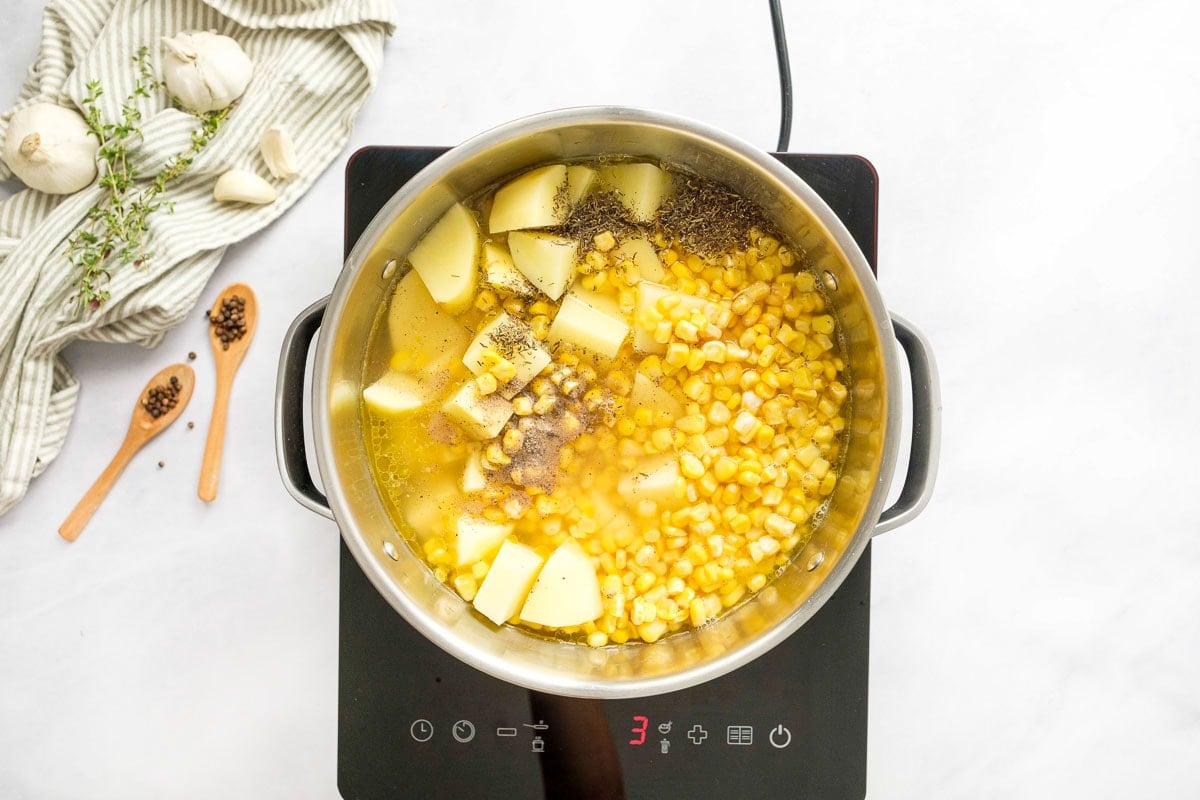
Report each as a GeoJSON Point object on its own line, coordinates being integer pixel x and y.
{"type": "Point", "coordinates": [428, 624]}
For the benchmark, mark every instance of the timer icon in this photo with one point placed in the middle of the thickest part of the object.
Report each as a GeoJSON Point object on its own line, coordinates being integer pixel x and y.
{"type": "Point", "coordinates": [463, 731]}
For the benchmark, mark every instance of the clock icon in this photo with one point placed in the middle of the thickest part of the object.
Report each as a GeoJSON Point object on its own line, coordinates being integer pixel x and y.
{"type": "Point", "coordinates": [463, 731]}
{"type": "Point", "coordinates": [421, 730]}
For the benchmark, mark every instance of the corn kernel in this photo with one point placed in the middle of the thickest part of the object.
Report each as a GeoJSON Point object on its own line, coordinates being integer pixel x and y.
{"type": "Point", "coordinates": [697, 389]}
{"type": "Point", "coordinates": [496, 455]}
{"type": "Point", "coordinates": [486, 300]}
{"type": "Point", "coordinates": [504, 370]}
{"type": "Point", "coordinates": [686, 331]}
{"type": "Point", "coordinates": [677, 354]}
{"type": "Point", "coordinates": [772, 496]}
{"type": "Point", "coordinates": [662, 331]}
{"type": "Point", "coordinates": [779, 526]}
{"type": "Point", "coordinates": [745, 426]}
{"type": "Point", "coordinates": [487, 383]}
{"type": "Point", "coordinates": [662, 440]}
{"type": "Point", "coordinates": [466, 587]}
{"type": "Point", "coordinates": [690, 466]}
{"type": "Point", "coordinates": [645, 555]}
{"type": "Point", "coordinates": [513, 439]}
{"type": "Point", "coordinates": [652, 631]}
{"type": "Point", "coordinates": [595, 261]}
{"type": "Point", "coordinates": [604, 241]}
{"type": "Point", "coordinates": [749, 478]}
{"type": "Point", "coordinates": [725, 468]}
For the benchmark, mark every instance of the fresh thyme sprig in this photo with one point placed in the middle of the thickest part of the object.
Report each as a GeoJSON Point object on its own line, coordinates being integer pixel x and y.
{"type": "Point", "coordinates": [114, 231]}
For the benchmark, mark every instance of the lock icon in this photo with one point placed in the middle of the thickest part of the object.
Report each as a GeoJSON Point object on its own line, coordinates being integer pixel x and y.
{"type": "Point", "coordinates": [665, 745]}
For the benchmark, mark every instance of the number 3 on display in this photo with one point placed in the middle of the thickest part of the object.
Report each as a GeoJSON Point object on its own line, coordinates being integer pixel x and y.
{"type": "Point", "coordinates": [640, 730]}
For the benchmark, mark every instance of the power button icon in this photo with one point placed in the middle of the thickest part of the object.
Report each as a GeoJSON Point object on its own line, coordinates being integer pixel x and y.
{"type": "Point", "coordinates": [780, 737]}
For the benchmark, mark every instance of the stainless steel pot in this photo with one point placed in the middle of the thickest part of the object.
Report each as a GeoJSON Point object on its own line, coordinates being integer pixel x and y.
{"type": "Point", "coordinates": [856, 511]}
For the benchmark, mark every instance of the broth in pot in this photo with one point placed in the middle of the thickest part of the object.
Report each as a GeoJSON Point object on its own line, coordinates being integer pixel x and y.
{"type": "Point", "coordinates": [607, 402]}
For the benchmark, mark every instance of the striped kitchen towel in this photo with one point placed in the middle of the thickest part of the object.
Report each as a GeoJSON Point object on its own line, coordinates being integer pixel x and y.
{"type": "Point", "coordinates": [315, 62]}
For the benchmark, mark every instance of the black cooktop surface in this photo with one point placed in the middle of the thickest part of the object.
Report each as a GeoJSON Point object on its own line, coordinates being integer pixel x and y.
{"type": "Point", "coordinates": [416, 722]}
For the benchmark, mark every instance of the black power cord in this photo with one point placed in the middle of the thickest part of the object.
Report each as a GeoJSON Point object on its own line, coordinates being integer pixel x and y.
{"type": "Point", "coordinates": [785, 77]}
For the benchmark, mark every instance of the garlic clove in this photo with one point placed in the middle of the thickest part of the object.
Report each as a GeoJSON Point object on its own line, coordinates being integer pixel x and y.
{"type": "Point", "coordinates": [240, 186]}
{"type": "Point", "coordinates": [278, 152]}
{"type": "Point", "coordinates": [51, 149]}
{"type": "Point", "coordinates": [205, 71]}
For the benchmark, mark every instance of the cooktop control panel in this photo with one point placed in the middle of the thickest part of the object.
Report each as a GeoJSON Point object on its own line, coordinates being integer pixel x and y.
{"type": "Point", "coordinates": [415, 722]}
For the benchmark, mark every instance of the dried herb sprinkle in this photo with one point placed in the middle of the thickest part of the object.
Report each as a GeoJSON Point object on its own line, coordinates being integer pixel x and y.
{"type": "Point", "coordinates": [707, 217]}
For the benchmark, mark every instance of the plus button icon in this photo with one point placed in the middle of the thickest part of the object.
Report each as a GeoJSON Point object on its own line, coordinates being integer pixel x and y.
{"type": "Point", "coordinates": [697, 734]}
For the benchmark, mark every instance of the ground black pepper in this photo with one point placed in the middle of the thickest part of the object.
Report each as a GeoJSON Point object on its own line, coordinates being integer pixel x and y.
{"type": "Point", "coordinates": [229, 324]}
{"type": "Point", "coordinates": [162, 398]}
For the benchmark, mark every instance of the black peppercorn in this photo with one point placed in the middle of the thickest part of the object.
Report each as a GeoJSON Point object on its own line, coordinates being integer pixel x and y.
{"type": "Point", "coordinates": [229, 323]}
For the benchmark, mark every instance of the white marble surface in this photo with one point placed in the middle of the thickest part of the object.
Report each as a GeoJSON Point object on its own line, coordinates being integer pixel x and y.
{"type": "Point", "coordinates": [1035, 634]}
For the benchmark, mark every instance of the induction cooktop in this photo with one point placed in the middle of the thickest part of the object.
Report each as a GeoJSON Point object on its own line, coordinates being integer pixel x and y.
{"type": "Point", "coordinates": [414, 722]}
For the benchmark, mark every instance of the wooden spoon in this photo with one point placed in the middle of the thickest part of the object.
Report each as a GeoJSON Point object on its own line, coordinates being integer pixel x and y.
{"type": "Point", "coordinates": [228, 355]}
{"type": "Point", "coordinates": [142, 428]}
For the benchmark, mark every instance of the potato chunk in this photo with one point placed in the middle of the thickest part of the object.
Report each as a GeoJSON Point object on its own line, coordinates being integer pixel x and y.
{"type": "Point", "coordinates": [537, 199]}
{"type": "Point", "coordinates": [579, 181]}
{"type": "Point", "coordinates": [656, 478]}
{"type": "Point", "coordinates": [507, 583]}
{"type": "Point", "coordinates": [420, 332]}
{"type": "Point", "coordinates": [476, 538]}
{"type": "Point", "coordinates": [566, 592]}
{"type": "Point", "coordinates": [548, 260]}
{"type": "Point", "coordinates": [588, 327]}
{"type": "Point", "coordinates": [447, 259]}
{"type": "Point", "coordinates": [480, 416]}
{"type": "Point", "coordinates": [502, 275]}
{"type": "Point", "coordinates": [394, 394]}
{"type": "Point", "coordinates": [641, 252]}
{"type": "Point", "coordinates": [641, 188]}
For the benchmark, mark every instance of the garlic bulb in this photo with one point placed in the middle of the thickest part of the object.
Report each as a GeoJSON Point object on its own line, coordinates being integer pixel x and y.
{"type": "Point", "coordinates": [278, 152]}
{"type": "Point", "coordinates": [205, 71]}
{"type": "Point", "coordinates": [239, 186]}
{"type": "Point", "coordinates": [51, 149]}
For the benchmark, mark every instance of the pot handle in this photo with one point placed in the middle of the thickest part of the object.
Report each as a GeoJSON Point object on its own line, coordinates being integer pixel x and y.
{"type": "Point", "coordinates": [289, 410]}
{"type": "Point", "coordinates": [926, 429]}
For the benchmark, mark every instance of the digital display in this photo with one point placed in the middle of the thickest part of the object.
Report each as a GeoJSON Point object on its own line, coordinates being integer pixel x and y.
{"type": "Point", "coordinates": [639, 730]}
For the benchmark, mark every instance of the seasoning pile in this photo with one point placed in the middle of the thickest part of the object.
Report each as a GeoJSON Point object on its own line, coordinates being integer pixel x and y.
{"type": "Point", "coordinates": [229, 324]}
{"type": "Point", "coordinates": [162, 397]}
